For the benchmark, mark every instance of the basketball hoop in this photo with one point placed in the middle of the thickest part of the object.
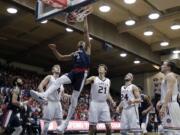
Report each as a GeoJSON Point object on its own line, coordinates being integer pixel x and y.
{"type": "Point", "coordinates": [78, 15]}
{"type": "Point", "coordinates": [75, 10]}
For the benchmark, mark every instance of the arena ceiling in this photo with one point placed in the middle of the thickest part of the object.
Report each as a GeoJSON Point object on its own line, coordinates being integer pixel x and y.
{"type": "Point", "coordinates": [24, 40]}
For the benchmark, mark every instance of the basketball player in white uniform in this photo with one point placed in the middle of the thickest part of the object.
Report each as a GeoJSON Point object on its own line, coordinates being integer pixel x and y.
{"type": "Point", "coordinates": [99, 109]}
{"type": "Point", "coordinates": [130, 99]}
{"type": "Point", "coordinates": [53, 109]}
{"type": "Point", "coordinates": [170, 110]}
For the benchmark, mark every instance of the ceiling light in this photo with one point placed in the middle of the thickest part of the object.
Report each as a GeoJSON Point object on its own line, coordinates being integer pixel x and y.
{"type": "Point", "coordinates": [45, 21]}
{"type": "Point", "coordinates": [12, 10]}
{"type": "Point", "coordinates": [176, 51]}
{"type": "Point", "coordinates": [156, 67]}
{"type": "Point", "coordinates": [137, 61]}
{"type": "Point", "coordinates": [90, 38]}
{"type": "Point", "coordinates": [104, 8]}
{"type": "Point", "coordinates": [175, 26]}
{"type": "Point", "coordinates": [148, 33]}
{"type": "Point", "coordinates": [164, 43]}
{"type": "Point", "coordinates": [69, 30]}
{"type": "Point", "coordinates": [123, 54]}
{"type": "Point", "coordinates": [154, 16]}
{"type": "Point", "coordinates": [130, 22]}
{"type": "Point", "coordinates": [129, 1]}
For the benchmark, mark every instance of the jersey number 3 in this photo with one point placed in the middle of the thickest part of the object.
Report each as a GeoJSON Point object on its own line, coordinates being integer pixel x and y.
{"type": "Point", "coordinates": [102, 90]}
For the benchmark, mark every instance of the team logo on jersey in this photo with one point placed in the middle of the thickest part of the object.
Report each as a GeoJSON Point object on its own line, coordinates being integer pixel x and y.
{"type": "Point", "coordinates": [168, 120]}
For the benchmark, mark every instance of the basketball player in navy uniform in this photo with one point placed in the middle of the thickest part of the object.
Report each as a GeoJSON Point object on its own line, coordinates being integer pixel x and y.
{"type": "Point", "coordinates": [77, 76]}
{"type": "Point", "coordinates": [53, 109]}
{"type": "Point", "coordinates": [14, 107]}
{"type": "Point", "coordinates": [144, 108]}
{"type": "Point", "coordinates": [130, 99]}
{"type": "Point", "coordinates": [99, 109]}
{"type": "Point", "coordinates": [170, 110]}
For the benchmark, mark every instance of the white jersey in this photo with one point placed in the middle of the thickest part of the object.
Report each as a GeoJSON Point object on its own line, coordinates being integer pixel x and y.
{"type": "Point", "coordinates": [127, 95]}
{"type": "Point", "coordinates": [56, 95]}
{"type": "Point", "coordinates": [164, 91]}
{"type": "Point", "coordinates": [100, 90]}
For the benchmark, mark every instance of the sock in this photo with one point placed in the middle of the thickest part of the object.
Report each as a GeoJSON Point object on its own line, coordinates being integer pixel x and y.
{"type": "Point", "coordinates": [46, 127]}
{"type": "Point", "coordinates": [74, 100]}
{"type": "Point", "coordinates": [60, 81]}
{"type": "Point", "coordinates": [17, 131]}
{"type": "Point", "coordinates": [143, 127]}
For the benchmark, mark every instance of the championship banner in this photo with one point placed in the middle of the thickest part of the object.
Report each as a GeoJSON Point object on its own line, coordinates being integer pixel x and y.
{"type": "Point", "coordinates": [81, 126]}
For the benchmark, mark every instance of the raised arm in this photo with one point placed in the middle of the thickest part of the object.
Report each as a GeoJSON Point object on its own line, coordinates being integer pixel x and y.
{"type": "Point", "coordinates": [58, 55]}
{"type": "Point", "coordinates": [44, 83]}
{"type": "Point", "coordinates": [86, 35]}
{"type": "Point", "coordinates": [90, 80]}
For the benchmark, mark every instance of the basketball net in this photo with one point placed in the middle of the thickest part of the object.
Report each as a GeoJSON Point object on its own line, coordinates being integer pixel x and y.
{"type": "Point", "coordinates": [78, 15]}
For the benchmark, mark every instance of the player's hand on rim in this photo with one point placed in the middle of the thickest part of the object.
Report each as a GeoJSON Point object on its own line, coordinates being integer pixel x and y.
{"type": "Point", "coordinates": [52, 46]}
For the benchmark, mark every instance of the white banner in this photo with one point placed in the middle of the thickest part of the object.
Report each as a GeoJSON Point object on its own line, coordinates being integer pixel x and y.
{"type": "Point", "coordinates": [81, 126]}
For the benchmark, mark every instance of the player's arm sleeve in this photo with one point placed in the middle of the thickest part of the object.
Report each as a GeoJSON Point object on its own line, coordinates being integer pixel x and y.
{"type": "Point", "coordinates": [62, 57]}
{"type": "Point", "coordinates": [87, 37]}
{"type": "Point", "coordinates": [89, 80]}
{"type": "Point", "coordinates": [170, 87]}
{"type": "Point", "coordinates": [44, 83]}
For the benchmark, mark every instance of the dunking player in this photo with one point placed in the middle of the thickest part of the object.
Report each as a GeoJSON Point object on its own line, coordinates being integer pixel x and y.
{"type": "Point", "coordinates": [99, 109]}
{"type": "Point", "coordinates": [170, 110]}
{"type": "Point", "coordinates": [144, 108]}
{"type": "Point", "coordinates": [14, 107]}
{"type": "Point", "coordinates": [53, 109]}
{"type": "Point", "coordinates": [77, 76]}
{"type": "Point", "coordinates": [130, 98]}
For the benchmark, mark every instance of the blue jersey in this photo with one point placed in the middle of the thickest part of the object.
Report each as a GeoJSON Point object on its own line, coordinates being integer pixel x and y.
{"type": "Point", "coordinates": [81, 59]}
{"type": "Point", "coordinates": [143, 105]}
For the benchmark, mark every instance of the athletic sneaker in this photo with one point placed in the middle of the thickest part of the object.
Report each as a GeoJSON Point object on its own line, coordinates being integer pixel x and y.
{"type": "Point", "coordinates": [62, 127]}
{"type": "Point", "coordinates": [38, 97]}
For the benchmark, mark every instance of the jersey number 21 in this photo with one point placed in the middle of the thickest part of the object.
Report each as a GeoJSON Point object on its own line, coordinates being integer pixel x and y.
{"type": "Point", "coordinates": [102, 90]}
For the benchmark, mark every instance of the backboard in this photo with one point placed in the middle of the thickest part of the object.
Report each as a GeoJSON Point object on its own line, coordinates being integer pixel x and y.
{"type": "Point", "coordinates": [44, 11]}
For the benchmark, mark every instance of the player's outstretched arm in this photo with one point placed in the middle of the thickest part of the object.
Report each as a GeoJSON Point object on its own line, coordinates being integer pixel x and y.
{"type": "Point", "coordinates": [86, 35]}
{"type": "Point", "coordinates": [58, 55]}
{"type": "Point", "coordinates": [44, 83]}
{"type": "Point", "coordinates": [90, 80]}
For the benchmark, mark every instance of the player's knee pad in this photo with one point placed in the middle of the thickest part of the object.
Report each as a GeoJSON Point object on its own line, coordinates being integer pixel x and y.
{"type": "Point", "coordinates": [62, 80]}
